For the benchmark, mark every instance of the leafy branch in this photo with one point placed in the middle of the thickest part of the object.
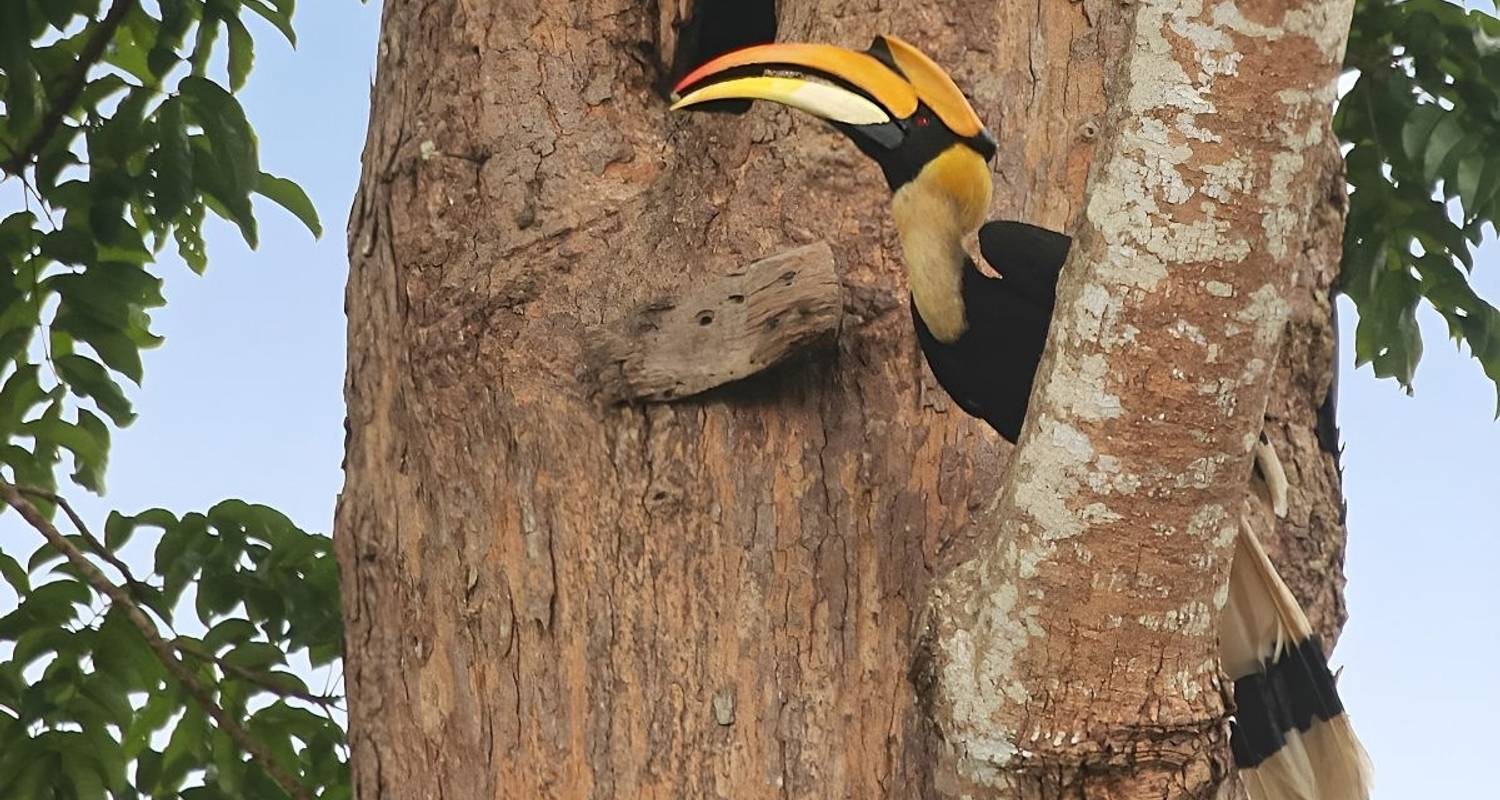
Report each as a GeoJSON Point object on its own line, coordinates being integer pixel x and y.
{"type": "Point", "coordinates": [16, 498]}
{"type": "Point", "coordinates": [88, 58]}
{"type": "Point", "coordinates": [96, 547]}
{"type": "Point", "coordinates": [1420, 125]}
{"type": "Point", "coordinates": [267, 681]}
{"type": "Point", "coordinates": [123, 127]}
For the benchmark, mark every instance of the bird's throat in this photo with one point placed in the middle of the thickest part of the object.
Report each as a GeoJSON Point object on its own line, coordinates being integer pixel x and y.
{"type": "Point", "coordinates": [932, 243]}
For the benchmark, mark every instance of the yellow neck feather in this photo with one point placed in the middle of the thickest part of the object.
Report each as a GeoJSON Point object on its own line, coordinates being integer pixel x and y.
{"type": "Point", "coordinates": [946, 202]}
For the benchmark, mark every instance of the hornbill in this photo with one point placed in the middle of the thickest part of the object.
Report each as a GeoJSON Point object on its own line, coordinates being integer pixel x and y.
{"type": "Point", "coordinates": [983, 336]}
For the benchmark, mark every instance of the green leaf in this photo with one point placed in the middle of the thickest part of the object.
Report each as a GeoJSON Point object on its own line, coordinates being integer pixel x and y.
{"type": "Point", "coordinates": [227, 763]}
{"type": "Point", "coordinates": [256, 656]}
{"type": "Point", "coordinates": [221, 195]}
{"type": "Point", "coordinates": [88, 441]}
{"type": "Point", "coordinates": [37, 778]}
{"type": "Point", "coordinates": [52, 602]}
{"type": "Point", "coordinates": [148, 772]}
{"type": "Point", "coordinates": [1445, 136]}
{"type": "Point", "coordinates": [189, 236]}
{"type": "Point", "coordinates": [43, 554]}
{"type": "Point", "coordinates": [58, 13]}
{"type": "Point", "coordinates": [104, 690]}
{"type": "Point", "coordinates": [228, 131]}
{"type": "Point", "coordinates": [150, 719]}
{"type": "Point", "coordinates": [83, 774]}
{"type": "Point", "coordinates": [14, 574]}
{"type": "Point", "coordinates": [131, 55]}
{"type": "Point", "coordinates": [43, 640]}
{"type": "Point", "coordinates": [1416, 135]}
{"type": "Point", "coordinates": [176, 17]}
{"type": "Point", "coordinates": [229, 631]}
{"type": "Point", "coordinates": [241, 53]}
{"type": "Point", "coordinates": [225, 161]}
{"type": "Point", "coordinates": [1469, 170]}
{"type": "Point", "coordinates": [284, 683]}
{"type": "Point", "coordinates": [22, 89]}
{"type": "Point", "coordinates": [208, 33]}
{"type": "Point", "coordinates": [86, 378]}
{"type": "Point", "coordinates": [290, 196]}
{"type": "Point", "coordinates": [280, 16]}
{"type": "Point", "coordinates": [21, 393]}
{"type": "Point", "coordinates": [69, 246]}
{"type": "Point", "coordinates": [173, 185]}
{"type": "Point", "coordinates": [114, 347]}
{"type": "Point", "coordinates": [187, 747]}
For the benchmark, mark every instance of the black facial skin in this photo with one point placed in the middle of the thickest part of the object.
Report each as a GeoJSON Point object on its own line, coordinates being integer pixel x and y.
{"type": "Point", "coordinates": [903, 147]}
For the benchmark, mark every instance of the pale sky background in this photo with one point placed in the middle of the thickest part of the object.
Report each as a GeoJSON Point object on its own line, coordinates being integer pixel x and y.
{"type": "Point", "coordinates": [245, 400]}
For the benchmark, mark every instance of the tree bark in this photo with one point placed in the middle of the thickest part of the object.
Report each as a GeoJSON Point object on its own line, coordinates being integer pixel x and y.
{"type": "Point", "coordinates": [1079, 649]}
{"type": "Point", "coordinates": [719, 597]}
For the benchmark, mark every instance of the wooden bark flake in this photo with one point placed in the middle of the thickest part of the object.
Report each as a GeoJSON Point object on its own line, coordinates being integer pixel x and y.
{"type": "Point", "coordinates": [732, 328]}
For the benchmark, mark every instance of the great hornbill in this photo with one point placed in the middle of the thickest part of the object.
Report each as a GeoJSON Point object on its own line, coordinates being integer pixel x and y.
{"type": "Point", "coordinates": [983, 337]}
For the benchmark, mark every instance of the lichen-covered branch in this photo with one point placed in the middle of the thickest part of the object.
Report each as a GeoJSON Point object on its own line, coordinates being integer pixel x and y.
{"type": "Point", "coordinates": [1081, 645]}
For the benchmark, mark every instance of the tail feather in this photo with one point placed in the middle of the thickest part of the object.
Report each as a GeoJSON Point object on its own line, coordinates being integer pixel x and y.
{"type": "Point", "coordinates": [1272, 483]}
{"type": "Point", "coordinates": [1291, 738]}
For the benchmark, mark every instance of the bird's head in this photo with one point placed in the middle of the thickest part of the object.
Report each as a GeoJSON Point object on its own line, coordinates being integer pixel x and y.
{"type": "Point", "coordinates": [897, 105]}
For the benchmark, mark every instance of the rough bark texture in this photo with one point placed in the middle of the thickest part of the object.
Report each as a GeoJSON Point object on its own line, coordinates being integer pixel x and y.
{"type": "Point", "coordinates": [716, 598]}
{"type": "Point", "coordinates": [1079, 650]}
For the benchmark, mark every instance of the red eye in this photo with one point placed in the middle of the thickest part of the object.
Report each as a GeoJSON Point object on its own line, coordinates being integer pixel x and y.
{"type": "Point", "coordinates": [921, 120]}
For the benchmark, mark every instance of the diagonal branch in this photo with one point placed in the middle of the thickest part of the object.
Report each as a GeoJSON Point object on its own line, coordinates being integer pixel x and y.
{"type": "Point", "coordinates": [93, 50]}
{"type": "Point", "coordinates": [16, 498]}
{"type": "Point", "coordinates": [256, 677]}
{"type": "Point", "coordinates": [95, 545]}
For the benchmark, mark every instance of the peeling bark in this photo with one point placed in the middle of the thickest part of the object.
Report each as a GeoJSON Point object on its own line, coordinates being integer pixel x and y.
{"type": "Point", "coordinates": [716, 598]}
{"type": "Point", "coordinates": [727, 330]}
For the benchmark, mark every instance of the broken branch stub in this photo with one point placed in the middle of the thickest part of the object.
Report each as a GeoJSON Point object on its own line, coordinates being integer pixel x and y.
{"type": "Point", "coordinates": [729, 329]}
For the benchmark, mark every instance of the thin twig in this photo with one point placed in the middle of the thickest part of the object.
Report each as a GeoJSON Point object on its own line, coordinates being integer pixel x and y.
{"type": "Point", "coordinates": [92, 51]}
{"type": "Point", "coordinates": [258, 678]}
{"type": "Point", "coordinates": [16, 499]}
{"type": "Point", "coordinates": [83, 530]}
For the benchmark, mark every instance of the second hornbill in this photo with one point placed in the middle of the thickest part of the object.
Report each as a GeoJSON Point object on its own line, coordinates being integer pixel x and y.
{"type": "Point", "coordinates": [983, 337]}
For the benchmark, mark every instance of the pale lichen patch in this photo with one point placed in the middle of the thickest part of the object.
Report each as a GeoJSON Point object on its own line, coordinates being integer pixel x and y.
{"type": "Point", "coordinates": [1224, 180]}
{"type": "Point", "coordinates": [1193, 618]}
{"type": "Point", "coordinates": [1266, 314]}
{"type": "Point", "coordinates": [1081, 391]}
{"type": "Point", "coordinates": [1218, 289]}
{"type": "Point", "coordinates": [1207, 521]}
{"type": "Point", "coordinates": [978, 680]}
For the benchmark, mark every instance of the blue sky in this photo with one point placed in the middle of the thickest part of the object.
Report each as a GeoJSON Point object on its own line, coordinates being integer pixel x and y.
{"type": "Point", "coordinates": [246, 400]}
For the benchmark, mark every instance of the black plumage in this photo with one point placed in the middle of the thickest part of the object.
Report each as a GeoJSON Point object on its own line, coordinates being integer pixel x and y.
{"type": "Point", "coordinates": [989, 370]}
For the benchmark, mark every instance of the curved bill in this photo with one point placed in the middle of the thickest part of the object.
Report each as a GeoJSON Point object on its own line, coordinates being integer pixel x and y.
{"type": "Point", "coordinates": [833, 103]}
{"type": "Point", "coordinates": [860, 70]}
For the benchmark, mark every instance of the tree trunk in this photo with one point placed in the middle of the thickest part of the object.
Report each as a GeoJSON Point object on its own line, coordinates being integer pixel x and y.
{"type": "Point", "coordinates": [722, 596]}
{"type": "Point", "coordinates": [1079, 649]}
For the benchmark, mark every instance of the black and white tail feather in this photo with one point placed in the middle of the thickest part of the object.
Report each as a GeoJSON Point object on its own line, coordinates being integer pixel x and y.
{"type": "Point", "coordinates": [1290, 735]}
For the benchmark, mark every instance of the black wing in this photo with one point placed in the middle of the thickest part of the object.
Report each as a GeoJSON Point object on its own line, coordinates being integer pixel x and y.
{"type": "Point", "coordinates": [1026, 257]}
{"type": "Point", "coordinates": [988, 371]}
